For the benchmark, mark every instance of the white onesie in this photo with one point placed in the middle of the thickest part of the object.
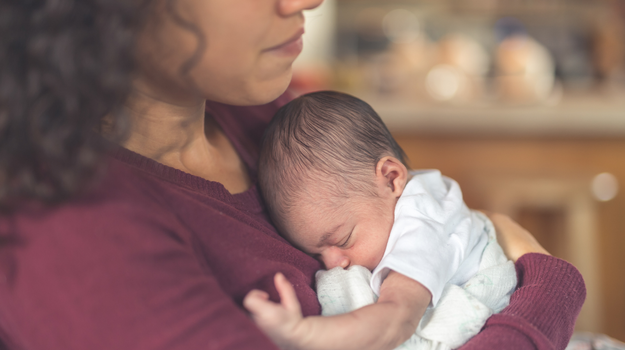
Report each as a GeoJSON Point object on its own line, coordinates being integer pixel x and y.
{"type": "Point", "coordinates": [448, 248]}
{"type": "Point", "coordinates": [435, 238]}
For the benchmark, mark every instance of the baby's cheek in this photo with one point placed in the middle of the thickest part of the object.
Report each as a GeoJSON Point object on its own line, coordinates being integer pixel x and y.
{"type": "Point", "coordinates": [379, 254]}
{"type": "Point", "coordinates": [370, 261]}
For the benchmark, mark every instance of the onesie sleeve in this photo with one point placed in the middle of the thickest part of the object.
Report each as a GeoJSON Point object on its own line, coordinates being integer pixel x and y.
{"type": "Point", "coordinates": [542, 311]}
{"type": "Point", "coordinates": [434, 237]}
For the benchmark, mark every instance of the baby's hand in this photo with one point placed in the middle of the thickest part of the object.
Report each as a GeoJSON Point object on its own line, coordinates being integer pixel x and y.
{"type": "Point", "coordinates": [283, 322]}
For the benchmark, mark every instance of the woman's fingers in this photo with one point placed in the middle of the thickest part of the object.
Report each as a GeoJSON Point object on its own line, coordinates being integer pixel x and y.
{"type": "Point", "coordinates": [514, 239]}
{"type": "Point", "coordinates": [288, 298]}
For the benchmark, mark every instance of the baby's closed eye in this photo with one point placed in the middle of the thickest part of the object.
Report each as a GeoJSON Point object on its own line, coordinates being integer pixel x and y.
{"type": "Point", "coordinates": [345, 241]}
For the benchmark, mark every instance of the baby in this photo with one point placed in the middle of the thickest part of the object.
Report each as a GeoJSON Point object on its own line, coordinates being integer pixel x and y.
{"type": "Point", "coordinates": [337, 187]}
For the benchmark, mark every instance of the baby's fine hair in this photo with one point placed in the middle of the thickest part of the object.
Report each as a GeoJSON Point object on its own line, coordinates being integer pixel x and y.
{"type": "Point", "coordinates": [331, 138]}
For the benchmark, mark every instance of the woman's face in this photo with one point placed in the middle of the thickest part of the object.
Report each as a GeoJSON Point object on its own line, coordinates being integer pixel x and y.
{"type": "Point", "coordinates": [247, 48]}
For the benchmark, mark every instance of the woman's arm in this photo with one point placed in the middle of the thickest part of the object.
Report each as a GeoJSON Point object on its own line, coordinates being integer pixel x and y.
{"type": "Point", "coordinates": [383, 325]}
{"type": "Point", "coordinates": [543, 309]}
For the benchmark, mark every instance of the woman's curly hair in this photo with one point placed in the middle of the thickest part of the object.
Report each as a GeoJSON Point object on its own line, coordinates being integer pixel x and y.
{"type": "Point", "coordinates": [64, 66]}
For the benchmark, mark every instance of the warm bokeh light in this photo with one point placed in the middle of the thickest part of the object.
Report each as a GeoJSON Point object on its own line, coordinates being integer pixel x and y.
{"type": "Point", "coordinates": [604, 187]}
{"type": "Point", "coordinates": [443, 82]}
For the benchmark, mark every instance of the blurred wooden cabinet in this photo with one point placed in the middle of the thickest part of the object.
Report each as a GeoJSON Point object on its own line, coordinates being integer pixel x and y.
{"type": "Point", "coordinates": [544, 183]}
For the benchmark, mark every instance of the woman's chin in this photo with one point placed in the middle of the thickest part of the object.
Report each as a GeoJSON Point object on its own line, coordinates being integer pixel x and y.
{"type": "Point", "coordinates": [252, 92]}
{"type": "Point", "coordinates": [267, 91]}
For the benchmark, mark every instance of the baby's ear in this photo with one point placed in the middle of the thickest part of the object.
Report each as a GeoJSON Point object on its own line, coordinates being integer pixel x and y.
{"type": "Point", "coordinates": [391, 173]}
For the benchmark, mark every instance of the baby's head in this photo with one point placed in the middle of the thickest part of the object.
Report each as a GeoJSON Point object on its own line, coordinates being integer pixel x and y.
{"type": "Point", "coordinates": [331, 174]}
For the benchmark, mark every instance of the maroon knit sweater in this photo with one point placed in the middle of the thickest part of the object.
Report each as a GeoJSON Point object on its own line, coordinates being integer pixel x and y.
{"type": "Point", "coordinates": [155, 258]}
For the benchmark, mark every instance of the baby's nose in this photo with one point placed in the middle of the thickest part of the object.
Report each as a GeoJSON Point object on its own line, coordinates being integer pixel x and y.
{"type": "Point", "coordinates": [334, 259]}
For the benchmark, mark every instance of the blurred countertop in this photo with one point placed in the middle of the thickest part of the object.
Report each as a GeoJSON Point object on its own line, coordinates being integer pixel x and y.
{"type": "Point", "coordinates": [573, 115]}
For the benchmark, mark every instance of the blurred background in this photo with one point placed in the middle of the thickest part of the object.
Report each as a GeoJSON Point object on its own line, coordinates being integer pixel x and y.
{"type": "Point", "coordinates": [521, 101]}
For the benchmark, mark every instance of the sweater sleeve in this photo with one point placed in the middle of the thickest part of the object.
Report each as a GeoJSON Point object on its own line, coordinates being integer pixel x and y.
{"type": "Point", "coordinates": [542, 311]}
{"type": "Point", "coordinates": [118, 278]}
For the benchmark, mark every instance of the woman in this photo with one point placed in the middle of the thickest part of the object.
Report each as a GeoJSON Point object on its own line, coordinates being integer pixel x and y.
{"type": "Point", "coordinates": [154, 244]}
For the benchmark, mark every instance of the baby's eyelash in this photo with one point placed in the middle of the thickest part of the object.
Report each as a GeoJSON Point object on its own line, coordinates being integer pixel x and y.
{"type": "Point", "coordinates": [344, 244]}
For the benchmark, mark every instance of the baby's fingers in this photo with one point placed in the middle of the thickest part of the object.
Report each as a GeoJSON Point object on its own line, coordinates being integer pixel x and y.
{"type": "Point", "coordinates": [288, 298]}
{"type": "Point", "coordinates": [272, 318]}
{"type": "Point", "coordinates": [256, 301]}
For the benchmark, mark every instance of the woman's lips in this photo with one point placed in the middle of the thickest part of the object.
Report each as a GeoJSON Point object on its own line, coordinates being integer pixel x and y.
{"type": "Point", "coordinates": [291, 47]}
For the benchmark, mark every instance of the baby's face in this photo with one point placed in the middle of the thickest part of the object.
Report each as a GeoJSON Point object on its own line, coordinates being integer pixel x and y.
{"type": "Point", "coordinates": [342, 232]}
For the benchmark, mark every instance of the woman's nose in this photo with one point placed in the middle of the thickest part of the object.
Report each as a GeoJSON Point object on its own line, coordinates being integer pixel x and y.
{"type": "Point", "coordinates": [290, 7]}
{"type": "Point", "coordinates": [333, 258]}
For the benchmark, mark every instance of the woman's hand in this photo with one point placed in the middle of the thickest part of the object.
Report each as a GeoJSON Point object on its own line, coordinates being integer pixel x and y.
{"type": "Point", "coordinates": [283, 323]}
{"type": "Point", "coordinates": [514, 239]}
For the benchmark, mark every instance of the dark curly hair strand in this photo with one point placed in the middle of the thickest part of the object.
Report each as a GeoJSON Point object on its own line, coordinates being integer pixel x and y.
{"type": "Point", "coordinates": [64, 66]}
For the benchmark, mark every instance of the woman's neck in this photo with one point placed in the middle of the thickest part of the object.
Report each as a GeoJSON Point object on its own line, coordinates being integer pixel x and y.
{"type": "Point", "coordinates": [178, 135]}
{"type": "Point", "coordinates": [160, 129]}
